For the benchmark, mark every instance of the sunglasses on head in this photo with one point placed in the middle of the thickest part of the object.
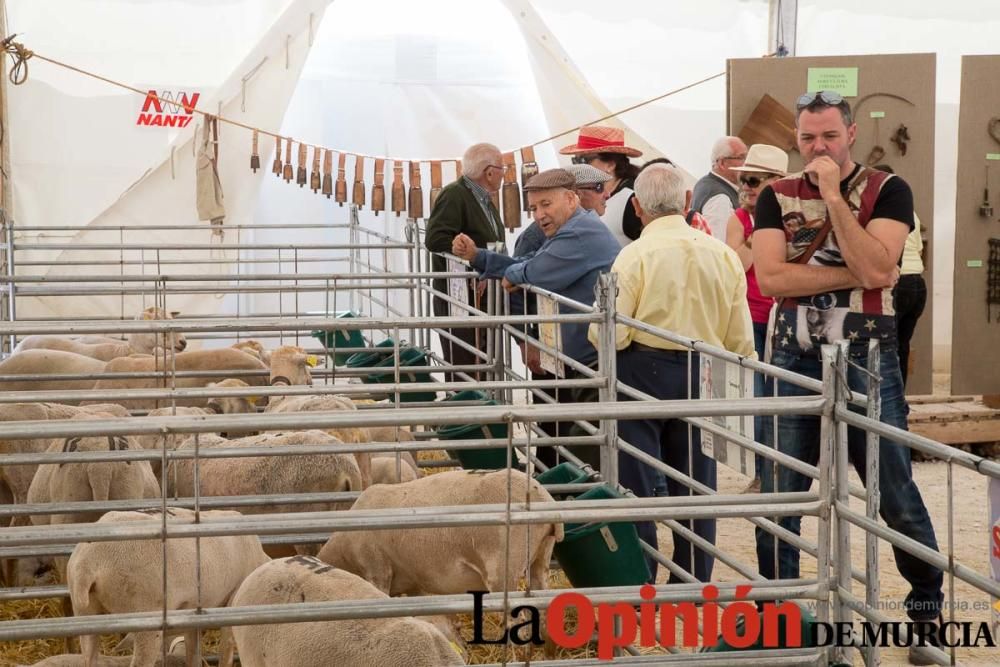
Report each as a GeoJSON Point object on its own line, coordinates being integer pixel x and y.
{"type": "Point", "coordinates": [596, 187]}
{"type": "Point", "coordinates": [753, 181]}
{"type": "Point", "coordinates": [825, 96]}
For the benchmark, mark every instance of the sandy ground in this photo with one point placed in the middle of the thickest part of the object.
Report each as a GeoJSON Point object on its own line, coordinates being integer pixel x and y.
{"type": "Point", "coordinates": [971, 548]}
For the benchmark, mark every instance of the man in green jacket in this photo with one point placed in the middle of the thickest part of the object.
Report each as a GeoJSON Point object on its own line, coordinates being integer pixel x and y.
{"type": "Point", "coordinates": [465, 207]}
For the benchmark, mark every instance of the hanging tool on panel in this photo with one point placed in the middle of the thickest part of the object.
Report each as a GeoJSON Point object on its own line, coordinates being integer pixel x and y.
{"type": "Point", "coordinates": [378, 187]}
{"type": "Point", "coordinates": [416, 198]}
{"type": "Point", "coordinates": [358, 197]}
{"type": "Point", "coordinates": [398, 189]}
{"type": "Point", "coordinates": [511, 193]}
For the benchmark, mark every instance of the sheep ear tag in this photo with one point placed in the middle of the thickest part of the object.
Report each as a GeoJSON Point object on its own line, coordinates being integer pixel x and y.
{"type": "Point", "coordinates": [311, 360]}
{"type": "Point", "coordinates": [252, 400]}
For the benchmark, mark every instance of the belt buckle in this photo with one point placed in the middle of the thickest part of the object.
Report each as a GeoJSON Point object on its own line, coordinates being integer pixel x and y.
{"type": "Point", "coordinates": [824, 301]}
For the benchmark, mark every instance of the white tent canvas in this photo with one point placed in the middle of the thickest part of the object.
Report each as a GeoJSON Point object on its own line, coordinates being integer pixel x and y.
{"type": "Point", "coordinates": [415, 80]}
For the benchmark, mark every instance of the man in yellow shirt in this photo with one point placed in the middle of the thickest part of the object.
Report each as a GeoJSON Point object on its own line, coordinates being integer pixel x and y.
{"type": "Point", "coordinates": [680, 279]}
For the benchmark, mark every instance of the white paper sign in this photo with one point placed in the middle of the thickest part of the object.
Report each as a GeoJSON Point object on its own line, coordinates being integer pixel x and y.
{"type": "Point", "coordinates": [550, 333]}
{"type": "Point", "coordinates": [720, 379]}
{"type": "Point", "coordinates": [458, 287]}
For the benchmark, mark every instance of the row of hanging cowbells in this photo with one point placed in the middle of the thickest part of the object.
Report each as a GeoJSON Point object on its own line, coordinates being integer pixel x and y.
{"type": "Point", "coordinates": [509, 200]}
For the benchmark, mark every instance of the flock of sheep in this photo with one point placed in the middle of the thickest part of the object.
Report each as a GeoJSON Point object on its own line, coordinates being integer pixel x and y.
{"type": "Point", "coordinates": [127, 576]}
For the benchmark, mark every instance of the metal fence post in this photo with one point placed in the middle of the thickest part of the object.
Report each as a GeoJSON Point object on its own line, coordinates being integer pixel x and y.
{"type": "Point", "coordinates": [842, 612]}
{"type": "Point", "coordinates": [11, 310]}
{"type": "Point", "coordinates": [827, 441]}
{"type": "Point", "coordinates": [354, 301]}
{"type": "Point", "coordinates": [872, 495]}
{"type": "Point", "coordinates": [606, 293]}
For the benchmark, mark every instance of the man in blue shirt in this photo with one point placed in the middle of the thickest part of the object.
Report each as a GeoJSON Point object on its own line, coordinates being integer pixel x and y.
{"type": "Point", "coordinates": [578, 248]}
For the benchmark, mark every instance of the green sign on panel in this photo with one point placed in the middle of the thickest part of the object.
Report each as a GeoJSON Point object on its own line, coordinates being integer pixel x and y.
{"type": "Point", "coordinates": [843, 80]}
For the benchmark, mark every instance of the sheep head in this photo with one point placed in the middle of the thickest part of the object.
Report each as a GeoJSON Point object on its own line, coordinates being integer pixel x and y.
{"type": "Point", "coordinates": [146, 343]}
{"type": "Point", "coordinates": [291, 364]}
{"type": "Point", "coordinates": [227, 405]}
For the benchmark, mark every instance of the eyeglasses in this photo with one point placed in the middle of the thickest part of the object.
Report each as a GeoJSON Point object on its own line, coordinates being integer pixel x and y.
{"type": "Point", "coordinates": [583, 159]}
{"type": "Point", "coordinates": [754, 181]}
{"type": "Point", "coordinates": [496, 166]}
{"type": "Point", "coordinates": [741, 157]}
{"type": "Point", "coordinates": [828, 97]}
{"type": "Point", "coordinates": [597, 187]}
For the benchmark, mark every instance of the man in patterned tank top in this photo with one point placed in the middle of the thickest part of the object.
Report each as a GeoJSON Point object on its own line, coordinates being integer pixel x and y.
{"type": "Point", "coordinates": [827, 245]}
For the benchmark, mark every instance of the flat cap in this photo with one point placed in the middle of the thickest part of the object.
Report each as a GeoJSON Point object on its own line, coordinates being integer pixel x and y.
{"type": "Point", "coordinates": [550, 179]}
{"type": "Point", "coordinates": [586, 175]}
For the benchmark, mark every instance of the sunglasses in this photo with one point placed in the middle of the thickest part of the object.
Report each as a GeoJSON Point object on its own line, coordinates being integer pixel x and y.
{"type": "Point", "coordinates": [753, 181]}
{"type": "Point", "coordinates": [825, 96]}
{"type": "Point", "coordinates": [597, 187]}
{"type": "Point", "coordinates": [583, 159]}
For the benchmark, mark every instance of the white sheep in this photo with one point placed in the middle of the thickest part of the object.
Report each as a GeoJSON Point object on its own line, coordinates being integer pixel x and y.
{"type": "Point", "coordinates": [106, 349]}
{"type": "Point", "coordinates": [255, 348]}
{"type": "Point", "coordinates": [409, 562]}
{"type": "Point", "coordinates": [217, 405]}
{"type": "Point", "coordinates": [50, 362]}
{"type": "Point", "coordinates": [222, 361]}
{"type": "Point", "coordinates": [93, 480]}
{"type": "Point", "coordinates": [384, 469]}
{"type": "Point", "coordinates": [290, 366]}
{"type": "Point", "coordinates": [15, 480]}
{"type": "Point", "coordinates": [269, 475]}
{"type": "Point", "coordinates": [127, 577]}
{"type": "Point", "coordinates": [368, 642]}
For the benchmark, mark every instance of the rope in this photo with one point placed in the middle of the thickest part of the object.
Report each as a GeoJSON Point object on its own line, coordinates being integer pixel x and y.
{"type": "Point", "coordinates": [20, 55]}
{"type": "Point", "coordinates": [19, 74]}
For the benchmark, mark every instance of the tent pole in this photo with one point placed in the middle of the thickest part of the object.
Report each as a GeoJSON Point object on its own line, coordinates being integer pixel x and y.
{"type": "Point", "coordinates": [781, 27]}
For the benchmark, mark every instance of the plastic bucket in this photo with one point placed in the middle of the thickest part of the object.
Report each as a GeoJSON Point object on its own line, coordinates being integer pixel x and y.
{"type": "Point", "coordinates": [600, 553]}
{"type": "Point", "coordinates": [338, 339]}
{"type": "Point", "coordinates": [408, 356]}
{"type": "Point", "coordinates": [494, 458]}
{"type": "Point", "coordinates": [370, 358]}
{"type": "Point", "coordinates": [564, 473]}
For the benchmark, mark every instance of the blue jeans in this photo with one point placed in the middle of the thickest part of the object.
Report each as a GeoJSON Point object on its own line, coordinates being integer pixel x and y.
{"type": "Point", "coordinates": [665, 375]}
{"type": "Point", "coordinates": [759, 340]}
{"type": "Point", "coordinates": [901, 506]}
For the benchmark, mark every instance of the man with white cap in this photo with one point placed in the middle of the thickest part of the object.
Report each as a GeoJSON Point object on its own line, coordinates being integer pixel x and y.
{"type": "Point", "coordinates": [764, 164]}
{"type": "Point", "coordinates": [577, 249]}
{"type": "Point", "coordinates": [716, 193]}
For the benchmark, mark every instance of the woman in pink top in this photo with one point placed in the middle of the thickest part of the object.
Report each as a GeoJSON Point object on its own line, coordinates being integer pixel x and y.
{"type": "Point", "coordinates": [764, 164]}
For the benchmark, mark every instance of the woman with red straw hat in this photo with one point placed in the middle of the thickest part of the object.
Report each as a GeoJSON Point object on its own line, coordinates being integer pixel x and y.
{"type": "Point", "coordinates": [604, 147]}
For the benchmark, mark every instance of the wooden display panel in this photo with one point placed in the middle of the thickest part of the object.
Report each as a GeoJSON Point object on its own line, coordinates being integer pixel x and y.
{"type": "Point", "coordinates": [975, 352]}
{"type": "Point", "coordinates": [911, 76]}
